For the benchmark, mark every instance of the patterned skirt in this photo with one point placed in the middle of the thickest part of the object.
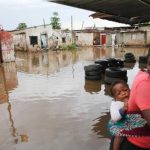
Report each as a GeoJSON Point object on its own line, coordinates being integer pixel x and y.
{"type": "Point", "coordinates": [131, 125]}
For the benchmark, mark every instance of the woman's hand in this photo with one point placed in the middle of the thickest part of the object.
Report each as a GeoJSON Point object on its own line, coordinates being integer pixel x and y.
{"type": "Point", "coordinates": [125, 107]}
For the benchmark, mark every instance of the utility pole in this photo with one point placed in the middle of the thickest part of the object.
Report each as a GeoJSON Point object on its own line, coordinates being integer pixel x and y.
{"type": "Point", "coordinates": [72, 30]}
{"type": "Point", "coordinates": [44, 22]}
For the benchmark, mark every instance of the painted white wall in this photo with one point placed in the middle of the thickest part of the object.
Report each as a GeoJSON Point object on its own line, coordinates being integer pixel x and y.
{"type": "Point", "coordinates": [52, 36]}
{"type": "Point", "coordinates": [84, 39]}
{"type": "Point", "coordinates": [131, 38]}
{"type": "Point", "coordinates": [113, 39]}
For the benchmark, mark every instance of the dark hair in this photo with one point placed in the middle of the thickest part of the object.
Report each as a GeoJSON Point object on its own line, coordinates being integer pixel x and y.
{"type": "Point", "coordinates": [117, 82]}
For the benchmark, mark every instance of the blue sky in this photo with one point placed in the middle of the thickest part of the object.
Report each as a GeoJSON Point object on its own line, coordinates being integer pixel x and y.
{"type": "Point", "coordinates": [32, 12]}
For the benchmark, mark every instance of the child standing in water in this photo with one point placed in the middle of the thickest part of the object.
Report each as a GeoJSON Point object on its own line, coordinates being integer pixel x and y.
{"type": "Point", "coordinates": [120, 92]}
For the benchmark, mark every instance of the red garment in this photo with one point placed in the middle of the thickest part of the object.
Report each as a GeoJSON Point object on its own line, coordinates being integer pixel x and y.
{"type": "Point", "coordinates": [140, 100]}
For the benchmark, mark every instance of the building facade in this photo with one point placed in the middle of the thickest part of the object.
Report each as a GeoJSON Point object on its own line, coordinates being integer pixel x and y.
{"type": "Point", "coordinates": [40, 37]}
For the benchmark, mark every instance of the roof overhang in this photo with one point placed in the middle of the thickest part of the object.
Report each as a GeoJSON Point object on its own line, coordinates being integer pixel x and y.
{"type": "Point", "coordinates": [123, 11]}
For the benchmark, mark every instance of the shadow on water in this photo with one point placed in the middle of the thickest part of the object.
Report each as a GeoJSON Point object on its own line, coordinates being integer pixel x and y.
{"type": "Point", "coordinates": [100, 128]}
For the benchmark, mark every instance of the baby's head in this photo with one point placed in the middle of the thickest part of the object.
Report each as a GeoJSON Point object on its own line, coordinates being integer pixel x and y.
{"type": "Point", "coordinates": [120, 90]}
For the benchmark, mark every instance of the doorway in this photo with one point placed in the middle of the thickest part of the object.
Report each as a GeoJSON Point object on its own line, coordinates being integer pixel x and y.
{"type": "Point", "coordinates": [96, 38]}
{"type": "Point", "coordinates": [103, 39]}
{"type": "Point", "coordinates": [44, 41]}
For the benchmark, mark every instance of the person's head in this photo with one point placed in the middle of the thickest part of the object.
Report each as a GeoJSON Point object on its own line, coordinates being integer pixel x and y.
{"type": "Point", "coordinates": [120, 90]}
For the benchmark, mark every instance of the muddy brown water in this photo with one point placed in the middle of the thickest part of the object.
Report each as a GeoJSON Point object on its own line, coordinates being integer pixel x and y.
{"type": "Point", "coordinates": [46, 103]}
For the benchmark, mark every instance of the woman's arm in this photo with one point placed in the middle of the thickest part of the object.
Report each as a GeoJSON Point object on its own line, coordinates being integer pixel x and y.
{"type": "Point", "coordinates": [146, 114]}
{"type": "Point", "coordinates": [117, 142]}
{"type": "Point", "coordinates": [143, 99]}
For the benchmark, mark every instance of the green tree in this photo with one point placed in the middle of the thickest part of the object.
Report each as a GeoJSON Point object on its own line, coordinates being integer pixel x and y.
{"type": "Point", "coordinates": [22, 26]}
{"type": "Point", "coordinates": [55, 21]}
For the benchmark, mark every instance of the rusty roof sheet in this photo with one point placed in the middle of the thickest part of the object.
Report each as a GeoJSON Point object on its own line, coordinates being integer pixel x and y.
{"type": "Point", "coordinates": [123, 11]}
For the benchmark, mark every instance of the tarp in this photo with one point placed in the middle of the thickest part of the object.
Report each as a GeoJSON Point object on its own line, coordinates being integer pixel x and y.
{"type": "Point", "coordinates": [123, 11]}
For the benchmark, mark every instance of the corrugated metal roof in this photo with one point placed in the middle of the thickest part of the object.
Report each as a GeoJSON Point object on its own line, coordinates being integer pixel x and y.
{"type": "Point", "coordinates": [123, 11]}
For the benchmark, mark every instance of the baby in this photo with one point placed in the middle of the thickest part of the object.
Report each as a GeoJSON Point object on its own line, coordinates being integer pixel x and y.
{"type": "Point", "coordinates": [120, 92]}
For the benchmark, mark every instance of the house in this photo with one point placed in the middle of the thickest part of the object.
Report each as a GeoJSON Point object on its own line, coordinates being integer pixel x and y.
{"type": "Point", "coordinates": [40, 37]}
{"type": "Point", "coordinates": [90, 36]}
{"type": "Point", "coordinates": [129, 36]}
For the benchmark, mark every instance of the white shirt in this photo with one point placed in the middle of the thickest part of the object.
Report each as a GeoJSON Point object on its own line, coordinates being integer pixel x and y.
{"type": "Point", "coordinates": [114, 110]}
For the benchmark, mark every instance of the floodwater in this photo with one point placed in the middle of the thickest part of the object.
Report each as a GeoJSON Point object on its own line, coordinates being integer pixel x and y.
{"type": "Point", "coordinates": [46, 103]}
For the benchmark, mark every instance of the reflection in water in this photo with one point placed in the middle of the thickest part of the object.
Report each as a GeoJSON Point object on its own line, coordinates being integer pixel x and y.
{"type": "Point", "coordinates": [92, 86]}
{"type": "Point", "coordinates": [103, 53]}
{"type": "Point", "coordinates": [107, 89]}
{"type": "Point", "coordinates": [8, 81]}
{"type": "Point", "coordinates": [51, 62]}
{"type": "Point", "coordinates": [101, 126]}
{"type": "Point", "coordinates": [35, 60]}
{"type": "Point", "coordinates": [45, 58]}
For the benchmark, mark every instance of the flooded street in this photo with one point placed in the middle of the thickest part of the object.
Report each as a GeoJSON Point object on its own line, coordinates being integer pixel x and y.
{"type": "Point", "coordinates": [46, 103]}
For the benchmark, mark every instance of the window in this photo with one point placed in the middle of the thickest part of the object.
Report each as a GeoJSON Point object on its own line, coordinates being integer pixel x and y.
{"type": "Point", "coordinates": [76, 38]}
{"type": "Point", "coordinates": [33, 40]}
{"type": "Point", "coordinates": [63, 40]}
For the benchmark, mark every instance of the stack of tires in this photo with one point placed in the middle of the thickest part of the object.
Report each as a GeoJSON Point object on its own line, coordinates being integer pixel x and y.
{"type": "Point", "coordinates": [143, 62]}
{"type": "Point", "coordinates": [103, 63]}
{"type": "Point", "coordinates": [143, 59]}
{"type": "Point", "coordinates": [93, 72]}
{"type": "Point", "coordinates": [113, 74]}
{"type": "Point", "coordinates": [129, 58]}
{"type": "Point", "coordinates": [110, 62]}
{"type": "Point", "coordinates": [113, 62]}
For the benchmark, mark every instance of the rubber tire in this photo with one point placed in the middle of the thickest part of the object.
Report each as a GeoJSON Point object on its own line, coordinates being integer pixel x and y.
{"type": "Point", "coordinates": [130, 60]}
{"type": "Point", "coordinates": [92, 77]}
{"type": "Point", "coordinates": [110, 80]}
{"type": "Point", "coordinates": [120, 63]}
{"type": "Point", "coordinates": [128, 55]}
{"type": "Point", "coordinates": [94, 67]}
{"type": "Point", "coordinates": [93, 73]}
{"type": "Point", "coordinates": [116, 72]}
{"type": "Point", "coordinates": [142, 66]}
{"type": "Point", "coordinates": [113, 62]}
{"type": "Point", "coordinates": [103, 63]}
{"type": "Point", "coordinates": [143, 59]}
